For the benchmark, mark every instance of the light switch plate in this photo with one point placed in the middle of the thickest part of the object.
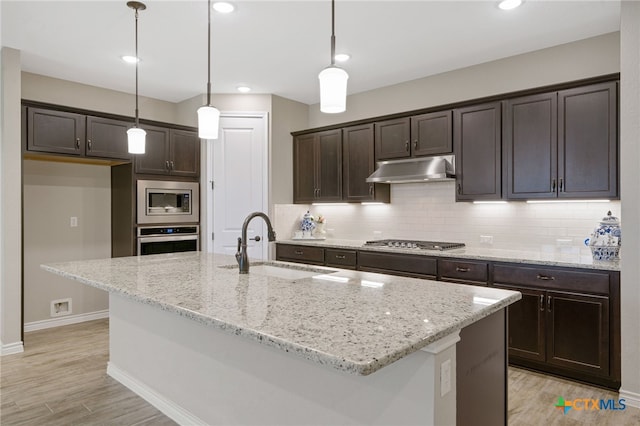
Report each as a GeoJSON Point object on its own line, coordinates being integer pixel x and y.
{"type": "Point", "coordinates": [73, 221]}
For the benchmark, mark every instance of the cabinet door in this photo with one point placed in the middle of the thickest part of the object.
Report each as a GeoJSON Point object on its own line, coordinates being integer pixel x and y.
{"type": "Point", "coordinates": [304, 169]}
{"type": "Point", "coordinates": [477, 145]}
{"type": "Point", "coordinates": [184, 153]}
{"type": "Point", "coordinates": [431, 134]}
{"type": "Point", "coordinates": [155, 160]}
{"type": "Point", "coordinates": [578, 332]}
{"type": "Point", "coordinates": [329, 166]}
{"type": "Point", "coordinates": [107, 138]}
{"type": "Point", "coordinates": [526, 324]}
{"type": "Point", "coordinates": [531, 146]}
{"type": "Point", "coordinates": [588, 142]}
{"type": "Point", "coordinates": [392, 139]}
{"type": "Point", "coordinates": [357, 148]}
{"type": "Point", "coordinates": [55, 131]}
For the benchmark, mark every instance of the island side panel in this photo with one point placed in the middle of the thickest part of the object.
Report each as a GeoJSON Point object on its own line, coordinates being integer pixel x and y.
{"type": "Point", "coordinates": [482, 372]}
{"type": "Point", "coordinates": [202, 375]}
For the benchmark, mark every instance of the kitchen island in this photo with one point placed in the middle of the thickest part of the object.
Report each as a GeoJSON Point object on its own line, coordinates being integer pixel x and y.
{"type": "Point", "coordinates": [292, 344]}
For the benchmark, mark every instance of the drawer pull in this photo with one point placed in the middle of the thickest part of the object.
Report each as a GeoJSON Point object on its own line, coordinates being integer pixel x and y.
{"type": "Point", "coordinates": [542, 302]}
{"type": "Point", "coordinates": [549, 303]}
{"type": "Point", "coordinates": [299, 252]}
{"type": "Point", "coordinates": [546, 277]}
{"type": "Point", "coordinates": [340, 256]}
{"type": "Point", "coordinates": [461, 269]}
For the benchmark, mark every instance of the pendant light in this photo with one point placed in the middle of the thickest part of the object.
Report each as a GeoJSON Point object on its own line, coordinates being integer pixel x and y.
{"type": "Point", "coordinates": [333, 79]}
{"type": "Point", "coordinates": [136, 135]}
{"type": "Point", "coordinates": [208, 115]}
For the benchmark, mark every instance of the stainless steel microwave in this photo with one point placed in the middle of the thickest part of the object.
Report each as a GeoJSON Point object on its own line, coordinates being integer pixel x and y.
{"type": "Point", "coordinates": [168, 202]}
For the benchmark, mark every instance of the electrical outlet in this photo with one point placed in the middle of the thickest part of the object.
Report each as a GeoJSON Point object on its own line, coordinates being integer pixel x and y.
{"type": "Point", "coordinates": [73, 221]}
{"type": "Point", "coordinates": [60, 307]}
{"type": "Point", "coordinates": [445, 377]}
{"type": "Point", "coordinates": [486, 239]}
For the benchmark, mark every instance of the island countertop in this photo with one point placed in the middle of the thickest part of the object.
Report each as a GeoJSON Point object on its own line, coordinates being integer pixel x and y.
{"type": "Point", "coordinates": [352, 321]}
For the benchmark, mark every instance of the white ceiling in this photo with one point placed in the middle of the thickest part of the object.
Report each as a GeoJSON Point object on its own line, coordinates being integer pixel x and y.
{"type": "Point", "coordinates": [280, 46]}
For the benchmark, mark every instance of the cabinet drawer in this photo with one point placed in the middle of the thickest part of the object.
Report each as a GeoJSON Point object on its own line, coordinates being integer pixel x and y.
{"type": "Point", "coordinates": [341, 258]}
{"type": "Point", "coordinates": [462, 271]}
{"type": "Point", "coordinates": [400, 264]}
{"type": "Point", "coordinates": [550, 278]}
{"type": "Point", "coordinates": [304, 254]}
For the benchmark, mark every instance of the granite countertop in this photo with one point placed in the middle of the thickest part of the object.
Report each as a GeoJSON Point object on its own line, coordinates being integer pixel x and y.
{"type": "Point", "coordinates": [349, 320]}
{"type": "Point", "coordinates": [552, 257]}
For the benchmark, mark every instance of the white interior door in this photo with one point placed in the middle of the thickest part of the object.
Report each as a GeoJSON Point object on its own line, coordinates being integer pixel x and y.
{"type": "Point", "coordinates": [239, 159]}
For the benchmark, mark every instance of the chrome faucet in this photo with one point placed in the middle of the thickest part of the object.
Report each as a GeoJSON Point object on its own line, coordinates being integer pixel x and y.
{"type": "Point", "coordinates": [241, 255]}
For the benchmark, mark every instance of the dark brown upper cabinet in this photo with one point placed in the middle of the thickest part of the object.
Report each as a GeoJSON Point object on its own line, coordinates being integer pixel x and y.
{"type": "Point", "coordinates": [169, 152]}
{"type": "Point", "coordinates": [358, 163]}
{"type": "Point", "coordinates": [419, 135]}
{"type": "Point", "coordinates": [562, 144]}
{"type": "Point", "coordinates": [477, 137]}
{"type": "Point", "coordinates": [588, 142]}
{"type": "Point", "coordinates": [317, 167]}
{"type": "Point", "coordinates": [60, 132]}
{"type": "Point", "coordinates": [55, 131]}
{"type": "Point", "coordinates": [107, 138]}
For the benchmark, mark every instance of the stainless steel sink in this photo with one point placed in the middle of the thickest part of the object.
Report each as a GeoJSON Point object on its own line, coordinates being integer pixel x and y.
{"type": "Point", "coordinates": [283, 271]}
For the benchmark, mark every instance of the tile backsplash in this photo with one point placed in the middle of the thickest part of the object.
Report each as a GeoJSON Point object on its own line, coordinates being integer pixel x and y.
{"type": "Point", "coordinates": [429, 212]}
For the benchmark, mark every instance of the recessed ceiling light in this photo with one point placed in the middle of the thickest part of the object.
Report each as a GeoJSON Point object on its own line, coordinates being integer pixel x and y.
{"type": "Point", "coordinates": [243, 89]}
{"type": "Point", "coordinates": [130, 59]}
{"type": "Point", "coordinates": [509, 4]}
{"type": "Point", "coordinates": [342, 57]}
{"type": "Point", "coordinates": [223, 7]}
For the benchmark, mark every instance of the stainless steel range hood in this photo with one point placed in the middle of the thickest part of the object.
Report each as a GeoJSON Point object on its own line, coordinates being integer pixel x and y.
{"type": "Point", "coordinates": [422, 169]}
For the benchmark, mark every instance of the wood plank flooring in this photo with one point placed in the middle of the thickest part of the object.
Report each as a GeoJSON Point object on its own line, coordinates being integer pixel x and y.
{"type": "Point", "coordinates": [61, 379]}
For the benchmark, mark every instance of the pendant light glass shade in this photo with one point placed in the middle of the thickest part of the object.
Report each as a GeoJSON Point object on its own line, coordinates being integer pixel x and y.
{"type": "Point", "coordinates": [333, 90]}
{"type": "Point", "coordinates": [208, 120]}
{"type": "Point", "coordinates": [208, 115]}
{"type": "Point", "coordinates": [136, 139]}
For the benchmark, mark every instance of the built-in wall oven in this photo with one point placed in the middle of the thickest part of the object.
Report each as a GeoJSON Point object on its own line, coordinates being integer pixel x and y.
{"type": "Point", "coordinates": [161, 201]}
{"type": "Point", "coordinates": [168, 239]}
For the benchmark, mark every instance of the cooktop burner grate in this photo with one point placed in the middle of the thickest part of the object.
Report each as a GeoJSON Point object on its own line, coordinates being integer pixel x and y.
{"type": "Point", "coordinates": [415, 244]}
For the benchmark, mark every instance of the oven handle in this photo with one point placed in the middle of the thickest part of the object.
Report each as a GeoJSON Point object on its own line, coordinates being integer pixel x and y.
{"type": "Point", "coordinates": [150, 239]}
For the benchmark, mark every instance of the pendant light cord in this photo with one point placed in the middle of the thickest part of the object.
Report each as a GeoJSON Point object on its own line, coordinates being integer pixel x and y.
{"type": "Point", "coordinates": [137, 61]}
{"type": "Point", "coordinates": [209, 53]}
{"type": "Point", "coordinates": [333, 33]}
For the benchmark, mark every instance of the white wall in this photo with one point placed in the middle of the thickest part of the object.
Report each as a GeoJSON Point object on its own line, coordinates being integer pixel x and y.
{"type": "Point", "coordinates": [630, 183]}
{"type": "Point", "coordinates": [53, 193]}
{"type": "Point", "coordinates": [572, 61]}
{"type": "Point", "coordinates": [10, 203]}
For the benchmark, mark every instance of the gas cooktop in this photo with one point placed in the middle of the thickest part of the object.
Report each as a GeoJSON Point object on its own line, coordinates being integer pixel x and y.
{"type": "Point", "coordinates": [414, 244]}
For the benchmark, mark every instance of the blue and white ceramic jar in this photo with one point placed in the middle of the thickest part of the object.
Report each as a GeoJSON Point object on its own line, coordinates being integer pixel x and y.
{"type": "Point", "coordinates": [308, 224]}
{"type": "Point", "coordinates": [605, 241]}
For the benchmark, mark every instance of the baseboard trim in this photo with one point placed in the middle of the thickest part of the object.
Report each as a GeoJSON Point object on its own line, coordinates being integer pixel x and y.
{"type": "Point", "coordinates": [166, 406]}
{"type": "Point", "coordinates": [66, 320]}
{"type": "Point", "coordinates": [11, 348]}
{"type": "Point", "coordinates": [630, 398]}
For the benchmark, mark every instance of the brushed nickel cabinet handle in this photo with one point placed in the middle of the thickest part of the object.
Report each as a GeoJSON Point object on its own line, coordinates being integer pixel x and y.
{"type": "Point", "coordinates": [77, 143]}
{"type": "Point", "coordinates": [542, 302]}
{"type": "Point", "coordinates": [553, 185]}
{"type": "Point", "coordinates": [459, 189]}
{"type": "Point", "coordinates": [340, 256]}
{"type": "Point", "coordinates": [406, 146]}
{"type": "Point", "coordinates": [299, 252]}
{"type": "Point", "coordinates": [166, 165]}
{"type": "Point", "coordinates": [172, 165]}
{"type": "Point", "coordinates": [545, 277]}
{"type": "Point", "coordinates": [561, 185]}
{"type": "Point", "coordinates": [461, 269]}
{"type": "Point", "coordinates": [548, 303]}
{"type": "Point", "coordinates": [89, 144]}
{"type": "Point", "coordinates": [415, 144]}
{"type": "Point", "coordinates": [370, 189]}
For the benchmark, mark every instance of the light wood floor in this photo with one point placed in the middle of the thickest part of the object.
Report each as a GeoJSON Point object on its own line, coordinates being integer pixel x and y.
{"type": "Point", "coordinates": [61, 379]}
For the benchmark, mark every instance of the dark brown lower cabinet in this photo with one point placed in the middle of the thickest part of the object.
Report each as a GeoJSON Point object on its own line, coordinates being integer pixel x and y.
{"type": "Point", "coordinates": [566, 323]}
